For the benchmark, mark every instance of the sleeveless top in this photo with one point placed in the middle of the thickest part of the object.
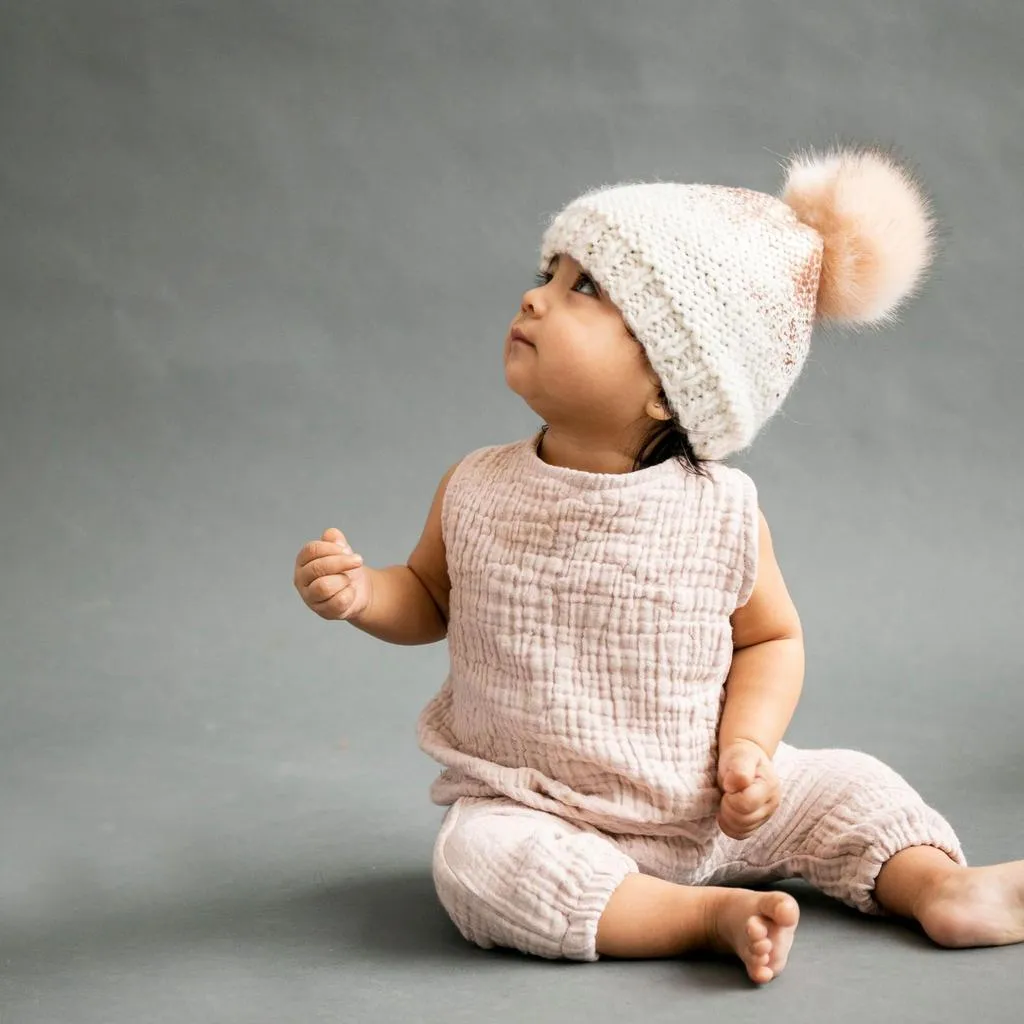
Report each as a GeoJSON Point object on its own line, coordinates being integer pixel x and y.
{"type": "Point", "coordinates": [589, 636]}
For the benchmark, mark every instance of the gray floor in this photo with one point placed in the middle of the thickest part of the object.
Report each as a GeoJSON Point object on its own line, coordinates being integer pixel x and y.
{"type": "Point", "coordinates": [256, 262]}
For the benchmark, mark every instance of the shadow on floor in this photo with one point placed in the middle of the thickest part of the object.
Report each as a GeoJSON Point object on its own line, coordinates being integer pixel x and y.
{"type": "Point", "coordinates": [369, 918]}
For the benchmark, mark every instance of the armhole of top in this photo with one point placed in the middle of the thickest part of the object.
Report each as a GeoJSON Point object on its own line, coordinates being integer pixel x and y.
{"type": "Point", "coordinates": [447, 506]}
{"type": "Point", "coordinates": [751, 538]}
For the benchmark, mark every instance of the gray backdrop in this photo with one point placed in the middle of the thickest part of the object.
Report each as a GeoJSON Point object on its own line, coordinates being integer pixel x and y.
{"type": "Point", "coordinates": [256, 264]}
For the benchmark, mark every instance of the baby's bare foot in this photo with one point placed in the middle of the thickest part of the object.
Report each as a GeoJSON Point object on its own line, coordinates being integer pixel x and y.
{"type": "Point", "coordinates": [758, 927]}
{"type": "Point", "coordinates": [975, 907]}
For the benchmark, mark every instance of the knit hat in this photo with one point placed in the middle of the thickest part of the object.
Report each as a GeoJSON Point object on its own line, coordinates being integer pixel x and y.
{"type": "Point", "coordinates": [722, 286]}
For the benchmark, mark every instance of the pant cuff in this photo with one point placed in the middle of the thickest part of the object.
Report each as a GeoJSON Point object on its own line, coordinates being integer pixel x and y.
{"type": "Point", "coordinates": [593, 886]}
{"type": "Point", "coordinates": [924, 827]}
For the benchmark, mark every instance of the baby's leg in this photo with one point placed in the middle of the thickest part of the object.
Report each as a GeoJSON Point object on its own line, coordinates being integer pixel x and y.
{"type": "Point", "coordinates": [512, 876]}
{"type": "Point", "coordinates": [845, 815]}
{"type": "Point", "coordinates": [957, 906]}
{"type": "Point", "coordinates": [857, 830]}
{"type": "Point", "coordinates": [509, 875]}
{"type": "Point", "coordinates": [651, 917]}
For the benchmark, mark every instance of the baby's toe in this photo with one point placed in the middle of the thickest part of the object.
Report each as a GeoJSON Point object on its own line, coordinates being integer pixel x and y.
{"type": "Point", "coordinates": [781, 908]}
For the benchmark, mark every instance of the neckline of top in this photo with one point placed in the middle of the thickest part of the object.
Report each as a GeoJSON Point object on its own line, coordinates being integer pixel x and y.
{"type": "Point", "coordinates": [587, 480]}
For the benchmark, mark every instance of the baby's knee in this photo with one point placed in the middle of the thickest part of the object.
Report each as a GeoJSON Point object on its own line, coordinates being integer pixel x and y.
{"type": "Point", "coordinates": [873, 787]}
{"type": "Point", "coordinates": [854, 802]}
{"type": "Point", "coordinates": [479, 858]}
{"type": "Point", "coordinates": [482, 842]}
{"type": "Point", "coordinates": [511, 876]}
{"type": "Point", "coordinates": [845, 779]}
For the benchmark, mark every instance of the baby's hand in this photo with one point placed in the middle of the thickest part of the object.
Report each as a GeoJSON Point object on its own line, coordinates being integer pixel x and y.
{"type": "Point", "coordinates": [750, 788]}
{"type": "Point", "coordinates": [331, 579]}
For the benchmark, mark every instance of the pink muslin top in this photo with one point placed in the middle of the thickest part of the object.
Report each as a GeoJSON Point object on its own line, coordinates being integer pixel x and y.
{"type": "Point", "coordinates": [589, 636]}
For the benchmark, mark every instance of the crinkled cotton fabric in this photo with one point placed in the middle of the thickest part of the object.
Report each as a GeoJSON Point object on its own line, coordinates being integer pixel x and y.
{"type": "Point", "coordinates": [590, 642]}
{"type": "Point", "coordinates": [509, 875]}
{"type": "Point", "coordinates": [589, 636]}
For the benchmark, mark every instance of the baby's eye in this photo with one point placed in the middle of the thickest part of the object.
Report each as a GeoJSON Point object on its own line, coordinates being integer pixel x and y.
{"type": "Point", "coordinates": [586, 279]}
{"type": "Point", "coordinates": [541, 278]}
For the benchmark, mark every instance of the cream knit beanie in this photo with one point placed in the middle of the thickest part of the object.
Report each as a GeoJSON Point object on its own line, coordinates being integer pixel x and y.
{"type": "Point", "coordinates": [722, 286]}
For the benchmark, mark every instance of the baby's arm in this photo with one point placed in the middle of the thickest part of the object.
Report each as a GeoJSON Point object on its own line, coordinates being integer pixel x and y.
{"type": "Point", "coordinates": [767, 672]}
{"type": "Point", "coordinates": [409, 603]}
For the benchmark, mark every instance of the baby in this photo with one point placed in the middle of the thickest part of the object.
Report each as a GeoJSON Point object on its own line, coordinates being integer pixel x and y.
{"type": "Point", "coordinates": [625, 657]}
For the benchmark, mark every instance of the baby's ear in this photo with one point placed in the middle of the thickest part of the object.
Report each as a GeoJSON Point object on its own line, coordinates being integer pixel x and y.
{"type": "Point", "coordinates": [657, 409]}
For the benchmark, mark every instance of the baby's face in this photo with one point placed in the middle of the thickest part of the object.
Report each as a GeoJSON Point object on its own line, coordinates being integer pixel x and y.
{"type": "Point", "coordinates": [584, 368]}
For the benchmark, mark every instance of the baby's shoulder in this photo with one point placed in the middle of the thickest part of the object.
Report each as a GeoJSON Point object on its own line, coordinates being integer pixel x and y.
{"type": "Point", "coordinates": [488, 458]}
{"type": "Point", "coordinates": [733, 478]}
{"type": "Point", "coordinates": [483, 459]}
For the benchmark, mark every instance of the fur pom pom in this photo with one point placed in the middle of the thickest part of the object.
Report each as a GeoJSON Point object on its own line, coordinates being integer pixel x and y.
{"type": "Point", "coordinates": [877, 226]}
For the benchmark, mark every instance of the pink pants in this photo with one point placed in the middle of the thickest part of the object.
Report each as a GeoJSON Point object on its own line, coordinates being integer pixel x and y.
{"type": "Point", "coordinates": [512, 876]}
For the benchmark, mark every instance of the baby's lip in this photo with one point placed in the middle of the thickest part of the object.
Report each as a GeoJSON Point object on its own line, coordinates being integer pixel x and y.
{"type": "Point", "coordinates": [517, 335]}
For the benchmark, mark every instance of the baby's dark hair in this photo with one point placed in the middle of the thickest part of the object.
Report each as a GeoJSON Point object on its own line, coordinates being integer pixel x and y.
{"type": "Point", "coordinates": [668, 439]}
